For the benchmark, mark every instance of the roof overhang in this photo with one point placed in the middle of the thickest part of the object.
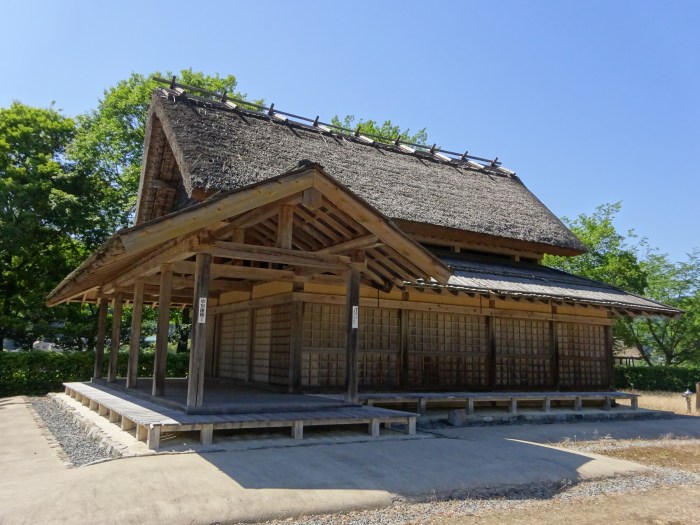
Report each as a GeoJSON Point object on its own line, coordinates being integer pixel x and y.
{"type": "Point", "coordinates": [300, 226]}
{"type": "Point", "coordinates": [501, 279]}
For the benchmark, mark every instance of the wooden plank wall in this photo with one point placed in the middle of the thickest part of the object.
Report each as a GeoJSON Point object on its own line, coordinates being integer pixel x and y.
{"type": "Point", "coordinates": [523, 353]}
{"type": "Point", "coordinates": [444, 349]}
{"type": "Point", "coordinates": [323, 346]}
{"type": "Point", "coordinates": [233, 345]}
{"type": "Point", "coordinates": [583, 359]}
{"type": "Point", "coordinates": [447, 349]}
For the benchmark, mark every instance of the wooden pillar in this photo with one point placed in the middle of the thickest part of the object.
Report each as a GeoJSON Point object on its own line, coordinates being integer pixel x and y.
{"type": "Point", "coordinates": [116, 339]}
{"type": "Point", "coordinates": [403, 345]}
{"type": "Point", "coordinates": [352, 316]}
{"type": "Point", "coordinates": [295, 343]}
{"type": "Point", "coordinates": [491, 342]}
{"type": "Point", "coordinates": [136, 316]}
{"type": "Point", "coordinates": [195, 379]}
{"type": "Point", "coordinates": [251, 345]}
{"type": "Point", "coordinates": [100, 340]}
{"type": "Point", "coordinates": [609, 356]}
{"type": "Point", "coordinates": [161, 357]}
{"type": "Point", "coordinates": [554, 349]}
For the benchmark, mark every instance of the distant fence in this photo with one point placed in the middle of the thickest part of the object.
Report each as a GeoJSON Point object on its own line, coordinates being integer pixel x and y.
{"type": "Point", "coordinates": [37, 373]}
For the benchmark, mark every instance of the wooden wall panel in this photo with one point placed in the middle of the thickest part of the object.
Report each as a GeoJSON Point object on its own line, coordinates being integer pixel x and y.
{"type": "Point", "coordinates": [446, 350]}
{"type": "Point", "coordinates": [262, 337]}
{"type": "Point", "coordinates": [224, 364]}
{"type": "Point", "coordinates": [583, 359]}
{"type": "Point", "coordinates": [323, 346]}
{"type": "Point", "coordinates": [523, 353]}
{"type": "Point", "coordinates": [379, 348]}
{"type": "Point", "coordinates": [233, 343]}
{"type": "Point", "coordinates": [279, 344]}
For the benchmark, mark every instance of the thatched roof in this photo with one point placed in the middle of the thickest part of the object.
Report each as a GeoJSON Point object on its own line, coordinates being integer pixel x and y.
{"type": "Point", "coordinates": [525, 280]}
{"type": "Point", "coordinates": [217, 148]}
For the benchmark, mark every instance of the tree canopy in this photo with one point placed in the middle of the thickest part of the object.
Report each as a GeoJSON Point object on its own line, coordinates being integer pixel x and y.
{"type": "Point", "coordinates": [42, 215]}
{"type": "Point", "coordinates": [629, 263]}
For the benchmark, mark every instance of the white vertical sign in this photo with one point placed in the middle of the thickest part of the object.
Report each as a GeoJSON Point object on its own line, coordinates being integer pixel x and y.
{"type": "Point", "coordinates": [202, 313]}
{"type": "Point", "coordinates": [355, 316]}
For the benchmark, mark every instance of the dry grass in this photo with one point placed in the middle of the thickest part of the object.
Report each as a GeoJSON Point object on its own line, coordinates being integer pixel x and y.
{"type": "Point", "coordinates": [667, 401]}
{"type": "Point", "coordinates": [680, 455]}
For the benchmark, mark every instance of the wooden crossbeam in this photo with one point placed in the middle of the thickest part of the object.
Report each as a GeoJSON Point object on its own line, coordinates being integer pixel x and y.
{"type": "Point", "coordinates": [366, 241]}
{"type": "Point", "coordinates": [255, 216]}
{"type": "Point", "coordinates": [238, 272]}
{"type": "Point", "coordinates": [250, 252]}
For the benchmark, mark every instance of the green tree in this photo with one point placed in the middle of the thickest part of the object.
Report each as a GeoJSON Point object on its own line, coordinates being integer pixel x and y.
{"type": "Point", "coordinates": [674, 341]}
{"type": "Point", "coordinates": [630, 264]}
{"type": "Point", "coordinates": [386, 129]}
{"type": "Point", "coordinates": [612, 257]}
{"type": "Point", "coordinates": [108, 144]}
{"type": "Point", "coordinates": [42, 213]}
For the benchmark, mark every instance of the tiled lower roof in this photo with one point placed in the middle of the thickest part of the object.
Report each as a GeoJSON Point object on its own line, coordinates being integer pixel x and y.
{"type": "Point", "coordinates": [541, 282]}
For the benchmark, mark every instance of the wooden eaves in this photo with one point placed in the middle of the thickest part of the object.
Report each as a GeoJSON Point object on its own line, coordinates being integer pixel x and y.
{"type": "Point", "coordinates": [298, 227]}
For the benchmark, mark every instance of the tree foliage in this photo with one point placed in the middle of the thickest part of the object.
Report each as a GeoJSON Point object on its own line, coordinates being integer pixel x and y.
{"type": "Point", "coordinates": [108, 143]}
{"type": "Point", "coordinates": [630, 264]}
{"type": "Point", "coordinates": [42, 214]}
{"type": "Point", "coordinates": [386, 129]}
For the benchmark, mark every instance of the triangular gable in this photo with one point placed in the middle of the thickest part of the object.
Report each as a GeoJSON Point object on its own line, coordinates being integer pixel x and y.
{"type": "Point", "coordinates": [325, 225]}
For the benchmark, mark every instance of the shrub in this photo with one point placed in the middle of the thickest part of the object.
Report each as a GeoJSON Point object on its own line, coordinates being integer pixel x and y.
{"type": "Point", "coordinates": [665, 378]}
{"type": "Point", "coordinates": [37, 373]}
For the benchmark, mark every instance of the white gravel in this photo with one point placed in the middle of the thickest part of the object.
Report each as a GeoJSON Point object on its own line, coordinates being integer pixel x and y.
{"type": "Point", "coordinates": [80, 448]}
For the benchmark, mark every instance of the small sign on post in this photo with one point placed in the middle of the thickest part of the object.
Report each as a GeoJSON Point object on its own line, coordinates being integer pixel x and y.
{"type": "Point", "coordinates": [355, 316]}
{"type": "Point", "coordinates": [202, 311]}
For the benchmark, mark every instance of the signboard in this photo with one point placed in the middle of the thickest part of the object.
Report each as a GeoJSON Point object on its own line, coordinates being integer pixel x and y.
{"type": "Point", "coordinates": [355, 316]}
{"type": "Point", "coordinates": [202, 311]}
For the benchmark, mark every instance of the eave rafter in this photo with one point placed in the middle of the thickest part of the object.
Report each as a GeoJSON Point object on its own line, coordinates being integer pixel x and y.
{"type": "Point", "coordinates": [299, 227]}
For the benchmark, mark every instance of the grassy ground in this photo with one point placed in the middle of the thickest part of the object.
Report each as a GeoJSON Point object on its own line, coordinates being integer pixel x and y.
{"type": "Point", "coordinates": [668, 401]}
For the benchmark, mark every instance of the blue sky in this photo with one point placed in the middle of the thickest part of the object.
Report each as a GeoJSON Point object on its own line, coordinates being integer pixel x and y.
{"type": "Point", "coordinates": [589, 102]}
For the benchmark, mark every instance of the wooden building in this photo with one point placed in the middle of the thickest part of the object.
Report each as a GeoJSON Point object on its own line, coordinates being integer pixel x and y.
{"type": "Point", "coordinates": [322, 261]}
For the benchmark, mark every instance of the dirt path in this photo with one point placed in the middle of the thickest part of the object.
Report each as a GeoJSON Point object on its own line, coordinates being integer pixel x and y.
{"type": "Point", "coordinates": [667, 506]}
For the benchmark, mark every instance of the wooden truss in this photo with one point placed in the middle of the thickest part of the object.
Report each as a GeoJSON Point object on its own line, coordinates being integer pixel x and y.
{"type": "Point", "coordinates": [300, 227]}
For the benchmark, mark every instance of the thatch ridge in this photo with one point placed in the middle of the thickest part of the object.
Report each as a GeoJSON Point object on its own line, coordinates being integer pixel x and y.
{"type": "Point", "coordinates": [220, 149]}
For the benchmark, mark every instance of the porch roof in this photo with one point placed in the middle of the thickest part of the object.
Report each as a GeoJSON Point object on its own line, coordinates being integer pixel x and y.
{"type": "Point", "coordinates": [302, 226]}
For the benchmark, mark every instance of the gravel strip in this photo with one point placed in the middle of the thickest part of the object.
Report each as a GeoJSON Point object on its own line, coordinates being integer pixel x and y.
{"type": "Point", "coordinates": [78, 446]}
{"type": "Point", "coordinates": [433, 512]}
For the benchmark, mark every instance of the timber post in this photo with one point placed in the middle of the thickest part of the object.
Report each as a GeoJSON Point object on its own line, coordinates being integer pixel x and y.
{"type": "Point", "coordinates": [403, 344]}
{"type": "Point", "coordinates": [554, 344]}
{"type": "Point", "coordinates": [195, 380]}
{"type": "Point", "coordinates": [352, 317]}
{"type": "Point", "coordinates": [491, 341]}
{"type": "Point", "coordinates": [162, 331]}
{"type": "Point", "coordinates": [116, 330]}
{"type": "Point", "coordinates": [295, 341]}
{"type": "Point", "coordinates": [136, 316]}
{"type": "Point", "coordinates": [608, 335]}
{"type": "Point", "coordinates": [100, 340]}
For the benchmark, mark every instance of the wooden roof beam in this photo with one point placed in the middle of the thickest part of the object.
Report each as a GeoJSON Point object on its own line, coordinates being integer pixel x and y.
{"type": "Point", "coordinates": [255, 216]}
{"type": "Point", "coordinates": [364, 242]}
{"type": "Point", "coordinates": [382, 228]}
{"type": "Point", "coordinates": [237, 272]}
{"type": "Point", "coordinates": [203, 215]}
{"type": "Point", "coordinates": [234, 250]}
